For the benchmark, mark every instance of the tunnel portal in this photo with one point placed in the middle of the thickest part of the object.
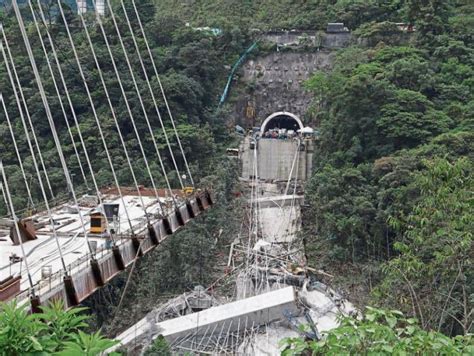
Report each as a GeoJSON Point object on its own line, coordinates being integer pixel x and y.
{"type": "Point", "coordinates": [281, 120]}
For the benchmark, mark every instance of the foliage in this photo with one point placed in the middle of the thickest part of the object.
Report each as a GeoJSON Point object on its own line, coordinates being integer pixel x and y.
{"type": "Point", "coordinates": [191, 66]}
{"type": "Point", "coordinates": [159, 347]}
{"type": "Point", "coordinates": [282, 14]}
{"type": "Point", "coordinates": [380, 332]}
{"type": "Point", "coordinates": [86, 344]}
{"type": "Point", "coordinates": [53, 331]}
{"type": "Point", "coordinates": [391, 114]}
{"type": "Point", "coordinates": [434, 269]}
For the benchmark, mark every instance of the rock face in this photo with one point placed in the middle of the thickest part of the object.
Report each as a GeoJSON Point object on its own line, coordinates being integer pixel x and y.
{"type": "Point", "coordinates": [275, 83]}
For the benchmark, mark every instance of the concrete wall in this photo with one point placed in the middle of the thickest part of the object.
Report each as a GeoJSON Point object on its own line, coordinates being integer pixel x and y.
{"type": "Point", "coordinates": [317, 39]}
{"type": "Point", "coordinates": [275, 83]}
{"type": "Point", "coordinates": [275, 159]}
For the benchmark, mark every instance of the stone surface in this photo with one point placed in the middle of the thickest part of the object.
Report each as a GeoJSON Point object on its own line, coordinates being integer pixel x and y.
{"type": "Point", "coordinates": [275, 83]}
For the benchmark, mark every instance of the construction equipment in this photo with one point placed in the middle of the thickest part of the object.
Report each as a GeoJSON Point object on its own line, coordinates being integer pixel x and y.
{"type": "Point", "coordinates": [98, 223]}
{"type": "Point", "coordinates": [188, 191]}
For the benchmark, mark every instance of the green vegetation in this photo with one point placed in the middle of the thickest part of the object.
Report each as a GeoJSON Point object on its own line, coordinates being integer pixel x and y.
{"type": "Point", "coordinates": [391, 198]}
{"type": "Point", "coordinates": [159, 347]}
{"type": "Point", "coordinates": [390, 201]}
{"type": "Point", "coordinates": [380, 332]}
{"type": "Point", "coordinates": [280, 14]}
{"type": "Point", "coordinates": [192, 69]}
{"type": "Point", "coordinates": [53, 331]}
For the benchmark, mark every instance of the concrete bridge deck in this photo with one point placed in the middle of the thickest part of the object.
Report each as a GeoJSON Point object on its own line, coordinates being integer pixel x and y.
{"type": "Point", "coordinates": [86, 271]}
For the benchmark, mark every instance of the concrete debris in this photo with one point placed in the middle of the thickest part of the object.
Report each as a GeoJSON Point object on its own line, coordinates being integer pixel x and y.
{"type": "Point", "coordinates": [235, 317]}
{"type": "Point", "coordinates": [266, 344]}
{"type": "Point", "coordinates": [275, 291]}
{"type": "Point", "coordinates": [142, 333]}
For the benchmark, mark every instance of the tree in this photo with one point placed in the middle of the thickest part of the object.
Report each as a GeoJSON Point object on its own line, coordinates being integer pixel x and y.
{"type": "Point", "coordinates": [54, 330]}
{"type": "Point", "coordinates": [380, 332]}
{"type": "Point", "coordinates": [433, 272]}
{"type": "Point", "coordinates": [409, 119]}
{"type": "Point", "coordinates": [159, 347]}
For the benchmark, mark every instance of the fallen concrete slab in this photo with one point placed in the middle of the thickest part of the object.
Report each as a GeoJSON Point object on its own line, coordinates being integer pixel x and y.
{"type": "Point", "coordinates": [232, 317]}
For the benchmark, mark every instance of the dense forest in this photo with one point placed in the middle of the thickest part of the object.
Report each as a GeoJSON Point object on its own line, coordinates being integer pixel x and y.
{"type": "Point", "coordinates": [390, 203]}
{"type": "Point", "coordinates": [191, 67]}
{"type": "Point", "coordinates": [389, 208]}
{"type": "Point", "coordinates": [192, 70]}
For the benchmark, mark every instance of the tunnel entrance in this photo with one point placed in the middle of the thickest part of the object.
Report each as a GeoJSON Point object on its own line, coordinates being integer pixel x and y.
{"type": "Point", "coordinates": [282, 120]}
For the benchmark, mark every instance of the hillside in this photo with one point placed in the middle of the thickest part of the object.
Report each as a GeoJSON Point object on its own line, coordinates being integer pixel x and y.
{"type": "Point", "coordinates": [281, 14]}
{"type": "Point", "coordinates": [389, 207]}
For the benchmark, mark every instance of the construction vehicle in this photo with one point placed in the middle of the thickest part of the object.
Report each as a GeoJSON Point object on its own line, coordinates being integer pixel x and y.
{"type": "Point", "coordinates": [188, 191]}
{"type": "Point", "coordinates": [98, 223]}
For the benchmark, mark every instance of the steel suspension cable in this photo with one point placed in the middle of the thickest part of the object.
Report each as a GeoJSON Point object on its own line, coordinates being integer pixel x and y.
{"type": "Point", "coordinates": [71, 106]}
{"type": "Point", "coordinates": [5, 198]}
{"type": "Point", "coordinates": [16, 221]}
{"type": "Point", "coordinates": [141, 102]}
{"type": "Point", "coordinates": [25, 105]}
{"type": "Point", "coordinates": [18, 101]}
{"type": "Point", "coordinates": [15, 145]}
{"type": "Point", "coordinates": [35, 163]}
{"type": "Point", "coordinates": [112, 109]}
{"type": "Point", "coordinates": [150, 89]}
{"type": "Point", "coordinates": [58, 93]}
{"type": "Point", "coordinates": [292, 167]}
{"type": "Point", "coordinates": [96, 117]}
{"type": "Point", "coordinates": [129, 111]}
{"type": "Point", "coordinates": [162, 92]}
{"type": "Point", "coordinates": [49, 116]}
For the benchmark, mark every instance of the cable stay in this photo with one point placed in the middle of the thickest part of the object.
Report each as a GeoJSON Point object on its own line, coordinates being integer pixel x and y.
{"type": "Point", "coordinates": [96, 117]}
{"type": "Point", "coordinates": [68, 96]}
{"type": "Point", "coordinates": [25, 105]}
{"type": "Point", "coordinates": [137, 14]}
{"type": "Point", "coordinates": [11, 207]}
{"type": "Point", "coordinates": [20, 161]}
{"type": "Point", "coordinates": [137, 134]}
{"type": "Point", "coordinates": [58, 65]}
{"type": "Point", "coordinates": [58, 93]}
{"type": "Point", "coordinates": [112, 109]}
{"type": "Point", "coordinates": [56, 141]}
{"type": "Point", "coordinates": [152, 135]}
{"type": "Point", "coordinates": [35, 163]}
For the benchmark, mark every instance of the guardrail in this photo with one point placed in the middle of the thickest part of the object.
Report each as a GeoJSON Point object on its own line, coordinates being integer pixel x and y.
{"type": "Point", "coordinates": [125, 243]}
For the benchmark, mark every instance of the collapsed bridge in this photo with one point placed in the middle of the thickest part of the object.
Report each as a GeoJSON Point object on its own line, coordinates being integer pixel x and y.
{"type": "Point", "coordinates": [87, 271]}
{"type": "Point", "coordinates": [70, 249]}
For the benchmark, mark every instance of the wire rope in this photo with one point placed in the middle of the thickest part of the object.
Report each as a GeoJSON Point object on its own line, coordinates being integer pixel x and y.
{"type": "Point", "coordinates": [53, 131]}
{"type": "Point", "coordinates": [25, 105]}
{"type": "Point", "coordinates": [117, 74]}
{"type": "Point", "coordinates": [96, 117]}
{"type": "Point", "coordinates": [58, 93]}
{"type": "Point", "coordinates": [5, 199]}
{"type": "Point", "coordinates": [15, 145]}
{"type": "Point", "coordinates": [149, 88]}
{"type": "Point", "coordinates": [35, 163]}
{"type": "Point", "coordinates": [137, 14]}
{"type": "Point", "coordinates": [66, 91]}
{"type": "Point", "coordinates": [109, 101]}
{"type": "Point", "coordinates": [16, 221]}
{"type": "Point", "coordinates": [71, 106]}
